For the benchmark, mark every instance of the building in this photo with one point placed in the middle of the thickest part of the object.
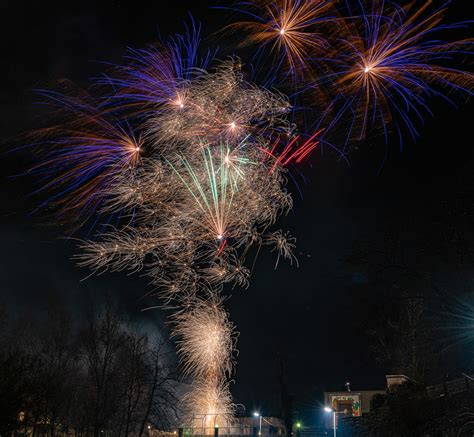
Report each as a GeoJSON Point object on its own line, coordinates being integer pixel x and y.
{"type": "Point", "coordinates": [349, 404]}
{"type": "Point", "coordinates": [356, 403]}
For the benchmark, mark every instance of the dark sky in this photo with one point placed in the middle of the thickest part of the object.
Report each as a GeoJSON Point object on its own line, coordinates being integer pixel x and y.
{"type": "Point", "coordinates": [315, 314]}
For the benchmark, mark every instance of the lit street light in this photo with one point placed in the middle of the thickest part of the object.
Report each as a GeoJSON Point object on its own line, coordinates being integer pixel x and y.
{"type": "Point", "coordinates": [298, 428]}
{"type": "Point", "coordinates": [333, 411]}
{"type": "Point", "coordinates": [260, 422]}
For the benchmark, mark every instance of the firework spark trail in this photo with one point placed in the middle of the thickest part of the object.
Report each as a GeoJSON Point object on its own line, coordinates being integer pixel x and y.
{"type": "Point", "coordinates": [389, 61]}
{"type": "Point", "coordinates": [294, 29]}
{"type": "Point", "coordinates": [206, 346]}
{"type": "Point", "coordinates": [158, 74]}
{"type": "Point", "coordinates": [81, 156]}
{"type": "Point", "coordinates": [211, 402]}
{"type": "Point", "coordinates": [218, 107]}
{"type": "Point", "coordinates": [206, 339]}
{"type": "Point", "coordinates": [217, 205]}
{"type": "Point", "coordinates": [292, 152]}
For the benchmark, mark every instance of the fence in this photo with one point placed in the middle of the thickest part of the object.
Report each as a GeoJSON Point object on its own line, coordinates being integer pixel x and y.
{"type": "Point", "coordinates": [449, 388]}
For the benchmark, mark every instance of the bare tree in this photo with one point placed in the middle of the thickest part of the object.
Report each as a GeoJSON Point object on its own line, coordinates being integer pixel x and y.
{"type": "Point", "coordinates": [101, 342]}
{"type": "Point", "coordinates": [102, 379]}
{"type": "Point", "coordinates": [160, 399]}
{"type": "Point", "coordinates": [402, 337]}
{"type": "Point", "coordinates": [133, 377]}
{"type": "Point", "coordinates": [55, 370]}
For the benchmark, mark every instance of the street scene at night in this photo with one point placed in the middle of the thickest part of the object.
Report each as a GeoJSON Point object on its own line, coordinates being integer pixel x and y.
{"type": "Point", "coordinates": [237, 218]}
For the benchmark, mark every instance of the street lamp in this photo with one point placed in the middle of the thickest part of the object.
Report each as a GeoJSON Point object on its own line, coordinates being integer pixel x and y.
{"type": "Point", "coordinates": [333, 411]}
{"type": "Point", "coordinates": [256, 414]}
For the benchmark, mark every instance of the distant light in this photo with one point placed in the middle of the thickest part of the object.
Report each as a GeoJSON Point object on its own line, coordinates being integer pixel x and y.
{"type": "Point", "coordinates": [282, 31]}
{"type": "Point", "coordinates": [181, 105]}
{"type": "Point", "coordinates": [137, 149]}
{"type": "Point", "coordinates": [233, 125]}
{"type": "Point", "coordinates": [256, 414]}
{"type": "Point", "coordinates": [328, 409]}
{"type": "Point", "coordinates": [367, 69]}
{"type": "Point", "coordinates": [149, 426]}
{"type": "Point", "coordinates": [219, 237]}
{"type": "Point", "coordinates": [298, 424]}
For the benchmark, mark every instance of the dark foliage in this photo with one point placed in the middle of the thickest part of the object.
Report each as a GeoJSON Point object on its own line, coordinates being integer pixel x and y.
{"type": "Point", "coordinates": [411, 411]}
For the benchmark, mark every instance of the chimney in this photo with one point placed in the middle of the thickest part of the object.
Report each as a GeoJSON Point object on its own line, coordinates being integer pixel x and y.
{"type": "Point", "coordinates": [393, 381]}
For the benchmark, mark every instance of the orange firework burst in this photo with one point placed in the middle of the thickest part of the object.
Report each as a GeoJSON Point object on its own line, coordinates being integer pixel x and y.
{"type": "Point", "coordinates": [290, 27]}
{"type": "Point", "coordinates": [388, 62]}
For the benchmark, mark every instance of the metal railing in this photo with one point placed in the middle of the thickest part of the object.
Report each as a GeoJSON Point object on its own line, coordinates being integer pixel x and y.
{"type": "Point", "coordinates": [452, 387]}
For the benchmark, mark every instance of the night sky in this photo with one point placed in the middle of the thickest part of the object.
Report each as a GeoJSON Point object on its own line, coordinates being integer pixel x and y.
{"type": "Point", "coordinates": [418, 203]}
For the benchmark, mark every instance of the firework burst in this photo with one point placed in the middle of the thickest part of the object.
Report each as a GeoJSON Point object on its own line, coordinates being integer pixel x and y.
{"type": "Point", "coordinates": [291, 28]}
{"type": "Point", "coordinates": [388, 62]}
{"type": "Point", "coordinates": [83, 154]}
{"type": "Point", "coordinates": [205, 191]}
{"type": "Point", "coordinates": [194, 159]}
{"type": "Point", "coordinates": [206, 339]}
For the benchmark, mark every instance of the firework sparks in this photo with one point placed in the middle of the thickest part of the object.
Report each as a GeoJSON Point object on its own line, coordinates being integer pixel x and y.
{"type": "Point", "coordinates": [292, 28]}
{"type": "Point", "coordinates": [206, 339]}
{"type": "Point", "coordinates": [158, 74]}
{"type": "Point", "coordinates": [84, 154]}
{"type": "Point", "coordinates": [388, 63]}
{"type": "Point", "coordinates": [192, 158]}
{"type": "Point", "coordinates": [209, 185]}
{"type": "Point", "coordinates": [210, 404]}
{"type": "Point", "coordinates": [293, 152]}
